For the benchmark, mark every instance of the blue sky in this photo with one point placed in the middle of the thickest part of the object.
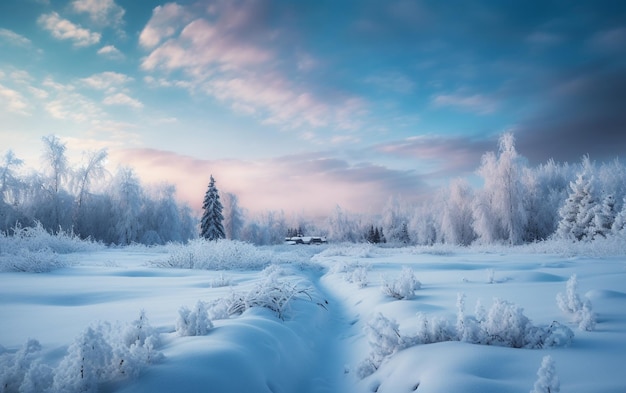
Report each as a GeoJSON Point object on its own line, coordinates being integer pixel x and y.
{"type": "Point", "coordinates": [302, 105]}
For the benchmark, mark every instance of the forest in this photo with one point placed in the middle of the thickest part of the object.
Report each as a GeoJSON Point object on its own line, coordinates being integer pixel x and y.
{"type": "Point", "coordinates": [515, 203]}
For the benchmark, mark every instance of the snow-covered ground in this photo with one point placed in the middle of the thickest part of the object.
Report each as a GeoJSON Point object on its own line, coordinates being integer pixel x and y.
{"type": "Point", "coordinates": [319, 341]}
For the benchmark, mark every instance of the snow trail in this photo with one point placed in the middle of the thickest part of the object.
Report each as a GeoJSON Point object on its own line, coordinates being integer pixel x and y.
{"type": "Point", "coordinates": [331, 348]}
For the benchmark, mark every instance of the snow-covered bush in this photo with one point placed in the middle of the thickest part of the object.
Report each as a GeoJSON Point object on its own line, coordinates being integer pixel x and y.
{"type": "Point", "coordinates": [403, 286]}
{"type": "Point", "coordinates": [506, 325]}
{"type": "Point", "coordinates": [271, 293]}
{"type": "Point", "coordinates": [226, 255]}
{"type": "Point", "coordinates": [384, 338]}
{"type": "Point", "coordinates": [15, 367]}
{"type": "Point", "coordinates": [37, 238]}
{"type": "Point", "coordinates": [194, 322]}
{"type": "Point", "coordinates": [570, 303]}
{"type": "Point", "coordinates": [33, 249]}
{"type": "Point", "coordinates": [221, 281]}
{"type": "Point", "coordinates": [101, 353]}
{"type": "Point", "coordinates": [547, 380]}
{"type": "Point", "coordinates": [433, 330]}
{"type": "Point", "coordinates": [503, 325]}
{"type": "Point", "coordinates": [24, 260]}
{"type": "Point", "coordinates": [354, 273]}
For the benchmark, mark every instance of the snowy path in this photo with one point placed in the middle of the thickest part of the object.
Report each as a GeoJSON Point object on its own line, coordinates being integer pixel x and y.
{"type": "Point", "coordinates": [332, 349]}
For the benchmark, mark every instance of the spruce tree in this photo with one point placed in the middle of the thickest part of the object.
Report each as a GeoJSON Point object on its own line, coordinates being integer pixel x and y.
{"type": "Point", "coordinates": [211, 227]}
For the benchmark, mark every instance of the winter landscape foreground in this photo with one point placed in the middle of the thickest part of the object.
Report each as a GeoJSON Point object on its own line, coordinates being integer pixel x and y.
{"type": "Point", "coordinates": [227, 316]}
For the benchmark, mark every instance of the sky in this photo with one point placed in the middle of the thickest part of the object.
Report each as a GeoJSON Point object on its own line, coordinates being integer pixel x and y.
{"type": "Point", "coordinates": [305, 105]}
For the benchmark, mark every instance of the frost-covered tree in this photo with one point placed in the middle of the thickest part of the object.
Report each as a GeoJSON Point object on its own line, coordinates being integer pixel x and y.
{"type": "Point", "coordinates": [547, 380]}
{"type": "Point", "coordinates": [211, 225]}
{"type": "Point", "coordinates": [546, 187]}
{"type": "Point", "coordinates": [604, 216]}
{"type": "Point", "coordinates": [56, 171]}
{"type": "Point", "coordinates": [392, 220]}
{"type": "Point", "coordinates": [577, 214]}
{"type": "Point", "coordinates": [127, 196]}
{"type": "Point", "coordinates": [620, 219]}
{"type": "Point", "coordinates": [344, 226]}
{"type": "Point", "coordinates": [456, 223]}
{"type": "Point", "coordinates": [233, 216]}
{"type": "Point", "coordinates": [92, 170]}
{"type": "Point", "coordinates": [499, 213]}
{"type": "Point", "coordinates": [10, 189]}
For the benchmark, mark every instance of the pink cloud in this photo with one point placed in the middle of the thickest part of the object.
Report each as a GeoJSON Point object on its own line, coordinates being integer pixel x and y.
{"type": "Point", "coordinates": [312, 184]}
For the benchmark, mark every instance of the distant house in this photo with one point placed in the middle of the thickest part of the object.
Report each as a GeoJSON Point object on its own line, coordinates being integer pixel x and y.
{"type": "Point", "coordinates": [305, 240]}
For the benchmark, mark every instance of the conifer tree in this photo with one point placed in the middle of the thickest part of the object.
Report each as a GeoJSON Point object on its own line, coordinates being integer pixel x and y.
{"type": "Point", "coordinates": [604, 216]}
{"type": "Point", "coordinates": [211, 227]}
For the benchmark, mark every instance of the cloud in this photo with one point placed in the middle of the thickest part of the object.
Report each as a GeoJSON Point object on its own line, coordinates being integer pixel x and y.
{"type": "Point", "coordinates": [14, 38]}
{"type": "Point", "coordinates": [13, 101]}
{"type": "Point", "coordinates": [108, 80]}
{"type": "Point", "coordinates": [63, 29]}
{"type": "Point", "coordinates": [164, 23]}
{"type": "Point", "coordinates": [101, 12]}
{"type": "Point", "coordinates": [582, 112]}
{"type": "Point", "coordinates": [610, 40]}
{"type": "Point", "coordinates": [67, 104]}
{"type": "Point", "coordinates": [230, 52]}
{"type": "Point", "coordinates": [110, 52]}
{"type": "Point", "coordinates": [476, 103]}
{"type": "Point", "coordinates": [439, 156]}
{"type": "Point", "coordinates": [122, 99]}
{"type": "Point", "coordinates": [290, 183]}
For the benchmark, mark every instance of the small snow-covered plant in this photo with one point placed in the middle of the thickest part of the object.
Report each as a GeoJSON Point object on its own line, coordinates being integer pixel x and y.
{"type": "Point", "coordinates": [384, 338]}
{"type": "Point", "coordinates": [403, 286]}
{"type": "Point", "coordinates": [433, 330]}
{"type": "Point", "coordinates": [354, 273]}
{"type": "Point", "coordinates": [87, 363]}
{"type": "Point", "coordinates": [570, 303]}
{"type": "Point", "coordinates": [467, 327]}
{"type": "Point", "coordinates": [221, 281]}
{"type": "Point", "coordinates": [271, 293]}
{"type": "Point", "coordinates": [14, 367]}
{"type": "Point", "coordinates": [491, 276]}
{"type": "Point", "coordinates": [358, 275]}
{"type": "Point", "coordinates": [506, 325]}
{"type": "Point", "coordinates": [547, 380]}
{"type": "Point", "coordinates": [194, 322]}
{"type": "Point", "coordinates": [136, 346]}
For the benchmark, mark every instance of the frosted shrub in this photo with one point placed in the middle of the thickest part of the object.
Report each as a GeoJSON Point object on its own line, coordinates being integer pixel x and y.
{"type": "Point", "coordinates": [37, 238]}
{"type": "Point", "coordinates": [24, 260]}
{"type": "Point", "coordinates": [273, 294]}
{"type": "Point", "coordinates": [433, 330]}
{"type": "Point", "coordinates": [506, 325]}
{"type": "Point", "coordinates": [194, 322]}
{"type": "Point", "coordinates": [14, 367]}
{"type": "Point", "coordinates": [354, 273]}
{"type": "Point", "coordinates": [221, 281]}
{"type": "Point", "coordinates": [87, 363]}
{"type": "Point", "coordinates": [570, 303]}
{"type": "Point", "coordinates": [547, 380]}
{"type": "Point", "coordinates": [106, 353]}
{"type": "Point", "coordinates": [403, 286]}
{"type": "Point", "coordinates": [358, 275]}
{"type": "Point", "coordinates": [384, 339]}
{"type": "Point", "coordinates": [217, 255]}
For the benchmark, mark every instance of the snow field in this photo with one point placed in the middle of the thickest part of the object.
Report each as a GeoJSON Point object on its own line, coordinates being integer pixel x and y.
{"type": "Point", "coordinates": [322, 338]}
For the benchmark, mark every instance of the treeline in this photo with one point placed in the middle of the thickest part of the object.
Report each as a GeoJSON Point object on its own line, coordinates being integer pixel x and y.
{"type": "Point", "coordinates": [513, 204]}
{"type": "Point", "coordinates": [90, 202]}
